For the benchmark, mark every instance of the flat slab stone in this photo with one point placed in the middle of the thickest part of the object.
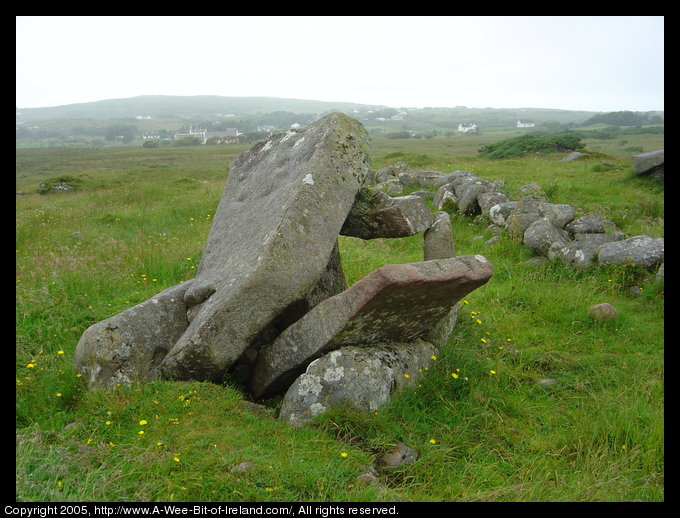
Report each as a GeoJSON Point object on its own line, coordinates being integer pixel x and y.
{"type": "Point", "coordinates": [395, 303]}
{"type": "Point", "coordinates": [271, 240]}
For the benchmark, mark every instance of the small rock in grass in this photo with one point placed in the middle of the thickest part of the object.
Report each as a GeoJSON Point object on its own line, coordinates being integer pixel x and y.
{"type": "Point", "coordinates": [602, 312]}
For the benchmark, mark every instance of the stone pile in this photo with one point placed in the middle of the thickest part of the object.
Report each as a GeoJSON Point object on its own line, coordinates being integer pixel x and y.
{"type": "Point", "coordinates": [550, 230]}
{"type": "Point", "coordinates": [270, 294]}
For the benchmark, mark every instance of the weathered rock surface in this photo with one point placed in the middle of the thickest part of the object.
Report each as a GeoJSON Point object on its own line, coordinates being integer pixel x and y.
{"type": "Point", "coordinates": [588, 224]}
{"type": "Point", "coordinates": [524, 213]}
{"type": "Point", "coordinates": [395, 303]}
{"type": "Point", "coordinates": [643, 251]}
{"type": "Point", "coordinates": [649, 164]}
{"type": "Point", "coordinates": [542, 234]}
{"type": "Point", "coordinates": [130, 346]}
{"type": "Point", "coordinates": [583, 250]}
{"type": "Point", "coordinates": [375, 214]}
{"type": "Point", "coordinates": [291, 195]}
{"type": "Point", "coordinates": [602, 312]}
{"type": "Point", "coordinates": [438, 239]}
{"type": "Point", "coordinates": [357, 376]}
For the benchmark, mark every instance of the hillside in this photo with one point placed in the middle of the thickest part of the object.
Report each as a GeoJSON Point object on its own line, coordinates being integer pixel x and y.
{"type": "Point", "coordinates": [169, 106]}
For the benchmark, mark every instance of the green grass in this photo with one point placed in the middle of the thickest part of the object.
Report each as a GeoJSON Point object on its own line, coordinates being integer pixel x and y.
{"type": "Point", "coordinates": [138, 222]}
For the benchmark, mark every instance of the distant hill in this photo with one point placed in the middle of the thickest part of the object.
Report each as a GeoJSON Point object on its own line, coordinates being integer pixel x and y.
{"type": "Point", "coordinates": [182, 107]}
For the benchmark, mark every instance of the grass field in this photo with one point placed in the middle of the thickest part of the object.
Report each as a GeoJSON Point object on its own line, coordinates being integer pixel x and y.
{"type": "Point", "coordinates": [486, 424]}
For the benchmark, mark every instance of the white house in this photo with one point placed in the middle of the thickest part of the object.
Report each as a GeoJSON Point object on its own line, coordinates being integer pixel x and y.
{"type": "Point", "coordinates": [465, 127]}
{"type": "Point", "coordinates": [525, 124]}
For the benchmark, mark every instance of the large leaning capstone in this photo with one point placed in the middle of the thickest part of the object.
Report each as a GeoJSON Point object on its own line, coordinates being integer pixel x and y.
{"type": "Point", "coordinates": [271, 240]}
{"type": "Point", "coordinates": [395, 303]}
{"type": "Point", "coordinates": [271, 255]}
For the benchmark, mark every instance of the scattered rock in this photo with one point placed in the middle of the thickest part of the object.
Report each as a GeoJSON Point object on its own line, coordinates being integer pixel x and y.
{"type": "Point", "coordinates": [649, 164]}
{"type": "Point", "coordinates": [130, 346]}
{"type": "Point", "coordinates": [574, 156]}
{"type": "Point", "coordinates": [244, 467]}
{"type": "Point", "coordinates": [398, 456]}
{"type": "Point", "coordinates": [492, 241]}
{"type": "Point", "coordinates": [542, 234]}
{"type": "Point", "coordinates": [602, 312]}
{"type": "Point", "coordinates": [588, 224]}
{"type": "Point", "coordinates": [523, 214]}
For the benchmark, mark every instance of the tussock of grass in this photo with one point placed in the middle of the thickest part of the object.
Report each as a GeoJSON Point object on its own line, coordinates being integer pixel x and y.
{"type": "Point", "coordinates": [485, 423]}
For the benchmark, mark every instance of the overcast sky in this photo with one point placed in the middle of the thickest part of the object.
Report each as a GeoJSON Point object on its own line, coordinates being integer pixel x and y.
{"type": "Point", "coordinates": [574, 63]}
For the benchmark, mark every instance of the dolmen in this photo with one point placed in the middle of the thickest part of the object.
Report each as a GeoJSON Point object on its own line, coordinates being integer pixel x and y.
{"type": "Point", "coordinates": [269, 292]}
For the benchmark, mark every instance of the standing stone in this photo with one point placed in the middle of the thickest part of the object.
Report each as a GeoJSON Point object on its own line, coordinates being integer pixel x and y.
{"type": "Point", "coordinates": [438, 239]}
{"type": "Point", "coordinates": [282, 208]}
{"type": "Point", "coordinates": [395, 303]}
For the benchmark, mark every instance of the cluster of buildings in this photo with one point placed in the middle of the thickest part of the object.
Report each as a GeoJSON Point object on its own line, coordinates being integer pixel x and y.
{"type": "Point", "coordinates": [471, 127]}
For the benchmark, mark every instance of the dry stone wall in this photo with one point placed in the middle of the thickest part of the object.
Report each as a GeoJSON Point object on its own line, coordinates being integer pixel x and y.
{"type": "Point", "coordinates": [550, 230]}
